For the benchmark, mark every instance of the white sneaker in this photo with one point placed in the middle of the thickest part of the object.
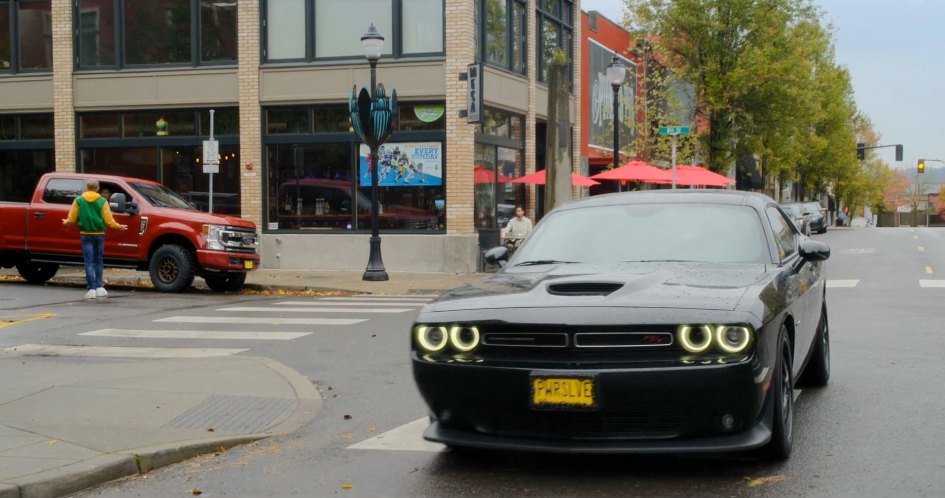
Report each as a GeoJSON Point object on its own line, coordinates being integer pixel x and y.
{"type": "Point", "coordinates": [101, 292]}
{"type": "Point", "coordinates": [90, 294]}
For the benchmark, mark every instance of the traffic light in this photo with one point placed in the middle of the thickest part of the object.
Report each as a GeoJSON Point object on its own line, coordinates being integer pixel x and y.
{"type": "Point", "coordinates": [921, 165]}
{"type": "Point", "coordinates": [861, 151]}
{"type": "Point", "coordinates": [899, 152]}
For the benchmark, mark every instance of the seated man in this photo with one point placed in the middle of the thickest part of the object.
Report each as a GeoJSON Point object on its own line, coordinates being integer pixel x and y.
{"type": "Point", "coordinates": [517, 229]}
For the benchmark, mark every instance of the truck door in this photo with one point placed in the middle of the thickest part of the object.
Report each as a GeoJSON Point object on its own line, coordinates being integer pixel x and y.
{"type": "Point", "coordinates": [121, 245]}
{"type": "Point", "coordinates": [45, 231]}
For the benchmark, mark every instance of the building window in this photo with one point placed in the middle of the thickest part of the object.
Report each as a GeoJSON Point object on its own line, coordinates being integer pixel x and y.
{"type": "Point", "coordinates": [499, 159]}
{"type": "Point", "coordinates": [166, 147]}
{"type": "Point", "coordinates": [25, 36]}
{"type": "Point", "coordinates": [554, 31]}
{"type": "Point", "coordinates": [318, 177]}
{"type": "Point", "coordinates": [120, 33]}
{"type": "Point", "coordinates": [306, 30]}
{"type": "Point", "coordinates": [500, 28]}
{"type": "Point", "coordinates": [26, 153]}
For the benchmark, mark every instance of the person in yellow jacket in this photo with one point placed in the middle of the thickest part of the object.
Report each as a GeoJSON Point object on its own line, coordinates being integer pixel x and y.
{"type": "Point", "coordinates": [91, 213]}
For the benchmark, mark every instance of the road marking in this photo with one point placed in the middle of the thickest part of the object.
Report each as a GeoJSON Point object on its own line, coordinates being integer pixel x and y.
{"type": "Point", "coordinates": [921, 249]}
{"type": "Point", "coordinates": [197, 334]}
{"type": "Point", "coordinates": [317, 310]}
{"type": "Point", "coordinates": [347, 303]}
{"type": "Point", "coordinates": [408, 437]}
{"type": "Point", "coordinates": [263, 321]}
{"type": "Point", "coordinates": [376, 298]}
{"type": "Point", "coordinates": [866, 250]}
{"type": "Point", "coordinates": [928, 269]}
{"type": "Point", "coordinates": [842, 284]}
{"type": "Point", "coordinates": [11, 320]}
{"type": "Point", "coordinates": [932, 283]}
{"type": "Point", "coordinates": [116, 352]}
{"type": "Point", "coordinates": [797, 393]}
{"type": "Point", "coordinates": [916, 237]}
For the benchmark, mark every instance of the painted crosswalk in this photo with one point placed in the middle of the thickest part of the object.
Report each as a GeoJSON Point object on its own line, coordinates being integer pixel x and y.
{"type": "Point", "coordinates": [277, 321]}
{"type": "Point", "coordinates": [842, 284]}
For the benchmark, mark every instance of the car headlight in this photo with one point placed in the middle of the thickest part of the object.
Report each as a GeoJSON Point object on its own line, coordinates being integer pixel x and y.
{"type": "Point", "coordinates": [695, 338]}
{"type": "Point", "coordinates": [431, 338]}
{"type": "Point", "coordinates": [214, 236]}
{"type": "Point", "coordinates": [464, 339]}
{"type": "Point", "coordinates": [732, 339]}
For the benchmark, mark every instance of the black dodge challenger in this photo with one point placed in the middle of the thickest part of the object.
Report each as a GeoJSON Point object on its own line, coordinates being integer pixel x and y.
{"type": "Point", "coordinates": [644, 322]}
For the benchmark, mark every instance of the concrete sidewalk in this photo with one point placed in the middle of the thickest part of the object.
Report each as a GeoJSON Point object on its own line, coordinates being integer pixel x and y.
{"type": "Point", "coordinates": [67, 424]}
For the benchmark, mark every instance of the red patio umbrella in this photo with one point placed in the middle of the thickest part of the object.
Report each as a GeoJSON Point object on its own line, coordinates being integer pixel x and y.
{"type": "Point", "coordinates": [538, 178]}
{"type": "Point", "coordinates": [485, 175]}
{"type": "Point", "coordinates": [636, 171]}
{"type": "Point", "coordinates": [698, 176]}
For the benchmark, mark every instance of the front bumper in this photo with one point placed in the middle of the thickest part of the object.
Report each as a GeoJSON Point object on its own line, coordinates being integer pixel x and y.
{"type": "Point", "coordinates": [227, 261]}
{"type": "Point", "coordinates": [640, 410]}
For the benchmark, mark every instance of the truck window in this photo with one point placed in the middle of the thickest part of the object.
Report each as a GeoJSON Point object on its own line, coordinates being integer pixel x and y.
{"type": "Point", "coordinates": [63, 190]}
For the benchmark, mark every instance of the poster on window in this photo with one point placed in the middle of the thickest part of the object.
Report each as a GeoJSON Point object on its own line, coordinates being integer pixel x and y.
{"type": "Point", "coordinates": [601, 104]}
{"type": "Point", "coordinates": [404, 164]}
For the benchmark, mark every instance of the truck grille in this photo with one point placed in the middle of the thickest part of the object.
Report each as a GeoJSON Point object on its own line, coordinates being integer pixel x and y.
{"type": "Point", "coordinates": [239, 240]}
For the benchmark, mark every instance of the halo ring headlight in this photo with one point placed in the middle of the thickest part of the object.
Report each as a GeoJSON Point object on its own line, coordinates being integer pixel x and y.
{"type": "Point", "coordinates": [732, 339]}
{"type": "Point", "coordinates": [432, 339]}
{"type": "Point", "coordinates": [464, 339]}
{"type": "Point", "coordinates": [695, 339]}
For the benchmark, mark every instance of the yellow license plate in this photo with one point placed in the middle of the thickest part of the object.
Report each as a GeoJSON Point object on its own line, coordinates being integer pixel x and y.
{"type": "Point", "coordinates": [551, 392]}
{"type": "Point", "coordinates": [248, 264]}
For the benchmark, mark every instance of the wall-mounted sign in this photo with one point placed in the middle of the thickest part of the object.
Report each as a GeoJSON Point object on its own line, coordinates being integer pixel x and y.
{"type": "Point", "coordinates": [474, 94]}
{"type": "Point", "coordinates": [428, 113]}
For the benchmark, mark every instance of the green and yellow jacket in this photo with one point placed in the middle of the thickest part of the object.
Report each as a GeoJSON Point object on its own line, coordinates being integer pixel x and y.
{"type": "Point", "coordinates": [91, 212]}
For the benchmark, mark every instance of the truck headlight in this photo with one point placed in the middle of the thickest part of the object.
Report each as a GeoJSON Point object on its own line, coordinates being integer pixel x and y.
{"type": "Point", "coordinates": [214, 237]}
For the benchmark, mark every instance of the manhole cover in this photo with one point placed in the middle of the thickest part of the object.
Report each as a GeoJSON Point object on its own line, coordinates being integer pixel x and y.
{"type": "Point", "coordinates": [232, 414]}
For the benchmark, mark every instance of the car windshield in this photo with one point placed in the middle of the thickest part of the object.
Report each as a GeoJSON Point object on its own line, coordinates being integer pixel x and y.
{"type": "Point", "coordinates": [647, 232]}
{"type": "Point", "coordinates": [161, 196]}
{"type": "Point", "coordinates": [811, 208]}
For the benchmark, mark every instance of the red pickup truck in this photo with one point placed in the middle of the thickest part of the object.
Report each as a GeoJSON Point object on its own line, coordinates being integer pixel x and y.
{"type": "Point", "coordinates": [166, 235]}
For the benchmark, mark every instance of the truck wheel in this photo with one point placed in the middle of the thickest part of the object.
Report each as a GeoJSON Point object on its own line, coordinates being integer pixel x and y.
{"type": "Point", "coordinates": [172, 268]}
{"type": "Point", "coordinates": [37, 273]}
{"type": "Point", "coordinates": [226, 282]}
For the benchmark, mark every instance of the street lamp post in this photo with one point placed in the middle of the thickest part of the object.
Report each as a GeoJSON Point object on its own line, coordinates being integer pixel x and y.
{"type": "Point", "coordinates": [373, 117]}
{"type": "Point", "coordinates": [616, 73]}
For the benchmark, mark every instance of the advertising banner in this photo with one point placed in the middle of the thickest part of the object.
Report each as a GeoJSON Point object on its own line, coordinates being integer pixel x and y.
{"type": "Point", "coordinates": [601, 95]}
{"type": "Point", "coordinates": [404, 164]}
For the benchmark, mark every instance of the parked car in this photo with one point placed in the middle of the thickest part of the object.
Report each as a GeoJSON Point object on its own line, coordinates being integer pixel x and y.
{"type": "Point", "coordinates": [591, 339]}
{"type": "Point", "coordinates": [816, 214]}
{"type": "Point", "coordinates": [796, 213]}
{"type": "Point", "coordinates": [166, 235]}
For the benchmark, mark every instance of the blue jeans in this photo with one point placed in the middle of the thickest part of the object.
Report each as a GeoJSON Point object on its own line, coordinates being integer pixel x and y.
{"type": "Point", "coordinates": [93, 249]}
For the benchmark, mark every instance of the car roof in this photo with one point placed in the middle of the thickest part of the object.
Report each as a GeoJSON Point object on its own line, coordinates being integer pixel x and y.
{"type": "Point", "coordinates": [681, 196]}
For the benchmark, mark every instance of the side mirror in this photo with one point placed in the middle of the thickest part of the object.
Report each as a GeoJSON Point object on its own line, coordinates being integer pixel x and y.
{"type": "Point", "coordinates": [814, 250]}
{"type": "Point", "coordinates": [497, 256]}
{"type": "Point", "coordinates": [117, 202]}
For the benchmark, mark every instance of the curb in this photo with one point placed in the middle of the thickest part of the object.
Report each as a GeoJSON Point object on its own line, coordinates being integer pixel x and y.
{"type": "Point", "coordinates": [105, 468]}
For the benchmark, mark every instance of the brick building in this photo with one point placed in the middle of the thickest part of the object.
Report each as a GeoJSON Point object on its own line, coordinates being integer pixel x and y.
{"type": "Point", "coordinates": [126, 86]}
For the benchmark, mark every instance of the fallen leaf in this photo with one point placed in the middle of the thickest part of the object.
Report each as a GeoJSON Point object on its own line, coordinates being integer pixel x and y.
{"type": "Point", "coordinates": [346, 486]}
{"type": "Point", "coordinates": [347, 417]}
{"type": "Point", "coordinates": [53, 441]}
{"type": "Point", "coordinates": [210, 429]}
{"type": "Point", "coordinates": [195, 492]}
{"type": "Point", "coordinates": [761, 481]}
{"type": "Point", "coordinates": [372, 429]}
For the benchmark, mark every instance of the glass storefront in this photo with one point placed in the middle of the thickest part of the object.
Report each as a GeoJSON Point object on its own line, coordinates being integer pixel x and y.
{"type": "Point", "coordinates": [318, 175]}
{"type": "Point", "coordinates": [165, 147]}
{"type": "Point", "coordinates": [499, 160]}
{"type": "Point", "coordinates": [26, 153]}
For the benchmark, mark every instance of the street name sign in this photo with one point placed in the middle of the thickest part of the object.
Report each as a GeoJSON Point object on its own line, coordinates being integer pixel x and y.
{"type": "Point", "coordinates": [674, 130]}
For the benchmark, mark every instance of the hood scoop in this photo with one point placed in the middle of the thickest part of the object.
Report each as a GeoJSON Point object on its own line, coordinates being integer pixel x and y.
{"type": "Point", "coordinates": [583, 288]}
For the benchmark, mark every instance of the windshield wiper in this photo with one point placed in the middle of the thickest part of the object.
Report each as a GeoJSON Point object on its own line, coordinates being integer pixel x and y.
{"type": "Point", "coordinates": [543, 262]}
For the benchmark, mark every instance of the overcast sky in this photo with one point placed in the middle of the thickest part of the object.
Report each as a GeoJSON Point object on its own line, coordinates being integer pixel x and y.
{"type": "Point", "coordinates": [895, 52]}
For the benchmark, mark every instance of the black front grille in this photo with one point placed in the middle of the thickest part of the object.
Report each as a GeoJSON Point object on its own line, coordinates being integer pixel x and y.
{"type": "Point", "coordinates": [623, 339]}
{"type": "Point", "coordinates": [525, 340]}
{"type": "Point", "coordinates": [583, 288]}
{"type": "Point", "coordinates": [653, 422]}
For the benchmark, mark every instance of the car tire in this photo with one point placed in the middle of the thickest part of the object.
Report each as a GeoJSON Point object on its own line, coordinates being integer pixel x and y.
{"type": "Point", "coordinates": [817, 371]}
{"type": "Point", "coordinates": [225, 282]}
{"type": "Point", "coordinates": [172, 268]}
{"type": "Point", "coordinates": [782, 396]}
{"type": "Point", "coordinates": [37, 273]}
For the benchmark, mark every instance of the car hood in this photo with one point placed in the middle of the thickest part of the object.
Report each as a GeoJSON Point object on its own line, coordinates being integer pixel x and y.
{"type": "Point", "coordinates": [700, 286]}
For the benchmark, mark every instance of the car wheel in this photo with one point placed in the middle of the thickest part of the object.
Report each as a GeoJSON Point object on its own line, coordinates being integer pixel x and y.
{"type": "Point", "coordinates": [37, 273]}
{"type": "Point", "coordinates": [817, 371]}
{"type": "Point", "coordinates": [172, 268]}
{"type": "Point", "coordinates": [782, 395]}
{"type": "Point", "coordinates": [225, 282]}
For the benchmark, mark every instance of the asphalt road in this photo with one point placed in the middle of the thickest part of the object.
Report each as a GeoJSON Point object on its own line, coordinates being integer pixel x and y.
{"type": "Point", "coordinates": [875, 431]}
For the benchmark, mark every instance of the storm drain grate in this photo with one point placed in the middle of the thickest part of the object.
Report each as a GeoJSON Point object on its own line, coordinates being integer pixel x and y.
{"type": "Point", "coordinates": [232, 413]}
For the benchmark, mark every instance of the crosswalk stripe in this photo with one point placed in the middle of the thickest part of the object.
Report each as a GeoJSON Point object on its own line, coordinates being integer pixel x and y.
{"type": "Point", "coordinates": [348, 303]}
{"type": "Point", "coordinates": [408, 437]}
{"type": "Point", "coordinates": [380, 299]}
{"type": "Point", "coordinates": [264, 321]}
{"type": "Point", "coordinates": [118, 352]}
{"type": "Point", "coordinates": [842, 284]}
{"type": "Point", "coordinates": [197, 334]}
{"type": "Point", "coordinates": [317, 310]}
{"type": "Point", "coordinates": [932, 283]}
